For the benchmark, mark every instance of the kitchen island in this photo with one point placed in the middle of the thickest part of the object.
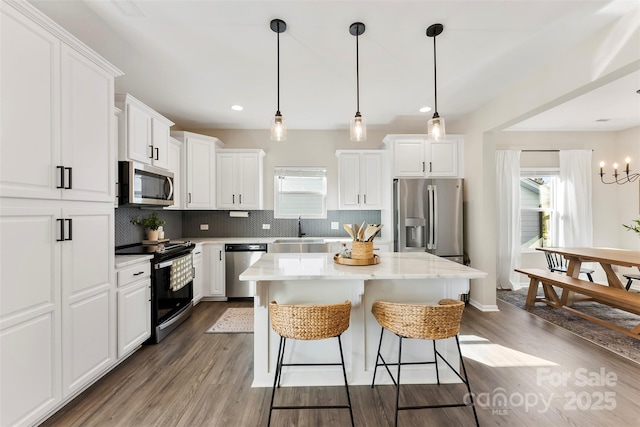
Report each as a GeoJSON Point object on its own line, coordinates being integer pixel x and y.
{"type": "Point", "coordinates": [314, 278]}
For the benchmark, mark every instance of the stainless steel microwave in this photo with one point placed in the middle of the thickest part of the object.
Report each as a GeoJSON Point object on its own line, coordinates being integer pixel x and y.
{"type": "Point", "coordinates": [140, 184]}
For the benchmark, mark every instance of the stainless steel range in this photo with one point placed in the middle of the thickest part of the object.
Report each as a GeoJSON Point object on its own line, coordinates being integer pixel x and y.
{"type": "Point", "coordinates": [171, 284]}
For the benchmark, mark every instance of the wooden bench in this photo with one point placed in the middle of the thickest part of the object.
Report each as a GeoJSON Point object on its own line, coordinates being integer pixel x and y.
{"type": "Point", "coordinates": [617, 298]}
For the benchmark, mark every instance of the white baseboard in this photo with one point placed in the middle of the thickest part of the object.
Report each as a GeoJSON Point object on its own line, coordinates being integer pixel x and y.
{"type": "Point", "coordinates": [483, 307]}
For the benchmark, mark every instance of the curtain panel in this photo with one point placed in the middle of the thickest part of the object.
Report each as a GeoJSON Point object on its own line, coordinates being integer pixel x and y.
{"type": "Point", "coordinates": [575, 198]}
{"type": "Point", "coordinates": [508, 218]}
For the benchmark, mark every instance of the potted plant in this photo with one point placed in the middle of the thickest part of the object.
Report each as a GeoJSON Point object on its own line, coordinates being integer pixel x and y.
{"type": "Point", "coordinates": [632, 227]}
{"type": "Point", "coordinates": [150, 223]}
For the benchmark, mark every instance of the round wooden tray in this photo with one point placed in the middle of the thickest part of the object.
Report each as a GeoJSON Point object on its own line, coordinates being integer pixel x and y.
{"type": "Point", "coordinates": [350, 261]}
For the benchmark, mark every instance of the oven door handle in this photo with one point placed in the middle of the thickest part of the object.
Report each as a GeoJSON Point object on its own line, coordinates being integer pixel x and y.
{"type": "Point", "coordinates": [169, 262]}
{"type": "Point", "coordinates": [164, 264]}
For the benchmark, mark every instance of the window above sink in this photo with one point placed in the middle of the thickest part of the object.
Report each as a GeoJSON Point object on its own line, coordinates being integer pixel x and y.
{"type": "Point", "coordinates": [300, 191]}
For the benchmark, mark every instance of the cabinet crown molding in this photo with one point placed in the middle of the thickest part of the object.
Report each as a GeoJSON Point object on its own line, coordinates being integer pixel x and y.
{"type": "Point", "coordinates": [127, 98]}
{"type": "Point", "coordinates": [258, 151]}
{"type": "Point", "coordinates": [47, 23]}
{"type": "Point", "coordinates": [183, 136]}
{"type": "Point", "coordinates": [391, 138]}
{"type": "Point", "coordinates": [339, 152]}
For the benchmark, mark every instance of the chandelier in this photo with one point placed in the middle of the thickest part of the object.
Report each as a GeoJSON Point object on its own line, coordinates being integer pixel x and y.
{"type": "Point", "coordinates": [619, 178]}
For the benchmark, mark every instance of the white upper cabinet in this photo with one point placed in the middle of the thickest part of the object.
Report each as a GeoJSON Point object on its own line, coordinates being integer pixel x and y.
{"type": "Point", "coordinates": [239, 179]}
{"type": "Point", "coordinates": [57, 138]}
{"type": "Point", "coordinates": [414, 156]}
{"type": "Point", "coordinates": [160, 142]}
{"type": "Point", "coordinates": [143, 133]}
{"type": "Point", "coordinates": [200, 169]}
{"type": "Point", "coordinates": [360, 179]}
{"type": "Point", "coordinates": [442, 158]}
{"type": "Point", "coordinates": [176, 165]}
{"type": "Point", "coordinates": [87, 126]}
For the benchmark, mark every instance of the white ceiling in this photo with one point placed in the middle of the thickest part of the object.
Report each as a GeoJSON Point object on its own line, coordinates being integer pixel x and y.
{"type": "Point", "coordinates": [192, 60]}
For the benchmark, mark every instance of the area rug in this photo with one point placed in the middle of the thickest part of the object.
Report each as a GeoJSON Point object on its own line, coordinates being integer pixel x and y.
{"type": "Point", "coordinates": [611, 340]}
{"type": "Point", "coordinates": [233, 320]}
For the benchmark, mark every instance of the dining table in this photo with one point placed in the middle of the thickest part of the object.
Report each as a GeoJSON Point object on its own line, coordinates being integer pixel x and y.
{"type": "Point", "coordinates": [607, 257]}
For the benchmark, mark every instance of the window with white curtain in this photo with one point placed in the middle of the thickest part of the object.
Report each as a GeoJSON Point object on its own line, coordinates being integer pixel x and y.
{"type": "Point", "coordinates": [538, 207]}
{"type": "Point", "coordinates": [300, 192]}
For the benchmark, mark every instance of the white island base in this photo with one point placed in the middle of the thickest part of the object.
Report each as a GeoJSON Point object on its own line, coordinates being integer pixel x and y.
{"type": "Point", "coordinates": [316, 279]}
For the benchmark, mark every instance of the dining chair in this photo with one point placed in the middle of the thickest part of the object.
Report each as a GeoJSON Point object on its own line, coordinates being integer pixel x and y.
{"type": "Point", "coordinates": [557, 263]}
{"type": "Point", "coordinates": [630, 278]}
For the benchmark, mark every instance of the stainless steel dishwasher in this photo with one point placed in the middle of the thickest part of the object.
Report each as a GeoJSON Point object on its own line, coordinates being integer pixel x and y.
{"type": "Point", "coordinates": [239, 257]}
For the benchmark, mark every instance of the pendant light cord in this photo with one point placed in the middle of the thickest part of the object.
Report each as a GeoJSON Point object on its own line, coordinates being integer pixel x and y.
{"type": "Point", "coordinates": [278, 84]}
{"type": "Point", "coordinates": [357, 75]}
{"type": "Point", "coordinates": [435, 76]}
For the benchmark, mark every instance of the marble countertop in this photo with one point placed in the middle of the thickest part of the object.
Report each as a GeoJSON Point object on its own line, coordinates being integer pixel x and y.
{"type": "Point", "coordinates": [321, 266]}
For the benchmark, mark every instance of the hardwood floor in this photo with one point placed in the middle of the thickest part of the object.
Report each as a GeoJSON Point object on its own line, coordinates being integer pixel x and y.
{"type": "Point", "coordinates": [197, 379]}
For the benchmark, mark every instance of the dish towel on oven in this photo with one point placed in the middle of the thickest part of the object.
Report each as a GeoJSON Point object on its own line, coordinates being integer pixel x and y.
{"type": "Point", "coordinates": [181, 272]}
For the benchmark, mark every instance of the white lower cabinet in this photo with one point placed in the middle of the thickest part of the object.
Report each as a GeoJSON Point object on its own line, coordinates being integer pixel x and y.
{"type": "Point", "coordinates": [57, 321]}
{"type": "Point", "coordinates": [134, 306]}
{"type": "Point", "coordinates": [214, 272]}
{"type": "Point", "coordinates": [198, 270]}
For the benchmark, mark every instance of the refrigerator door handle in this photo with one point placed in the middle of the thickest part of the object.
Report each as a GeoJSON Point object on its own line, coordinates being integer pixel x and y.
{"type": "Point", "coordinates": [434, 214]}
{"type": "Point", "coordinates": [430, 213]}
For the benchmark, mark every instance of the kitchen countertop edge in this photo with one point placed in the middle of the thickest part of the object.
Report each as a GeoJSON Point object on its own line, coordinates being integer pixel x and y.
{"type": "Point", "coordinates": [125, 260]}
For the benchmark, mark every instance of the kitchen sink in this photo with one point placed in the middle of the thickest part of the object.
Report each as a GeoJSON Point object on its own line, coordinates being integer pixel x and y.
{"type": "Point", "coordinates": [298, 245]}
{"type": "Point", "coordinates": [299, 240]}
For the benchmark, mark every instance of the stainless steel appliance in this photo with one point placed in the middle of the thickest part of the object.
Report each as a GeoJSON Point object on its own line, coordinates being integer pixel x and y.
{"type": "Point", "coordinates": [239, 257]}
{"type": "Point", "coordinates": [140, 184]}
{"type": "Point", "coordinates": [427, 216]}
{"type": "Point", "coordinates": [171, 284]}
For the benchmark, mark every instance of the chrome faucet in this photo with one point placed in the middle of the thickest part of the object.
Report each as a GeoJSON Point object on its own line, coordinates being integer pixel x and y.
{"type": "Point", "coordinates": [300, 233]}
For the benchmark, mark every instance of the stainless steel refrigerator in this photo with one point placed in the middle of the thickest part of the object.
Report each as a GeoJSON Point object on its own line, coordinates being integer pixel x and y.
{"type": "Point", "coordinates": [427, 216]}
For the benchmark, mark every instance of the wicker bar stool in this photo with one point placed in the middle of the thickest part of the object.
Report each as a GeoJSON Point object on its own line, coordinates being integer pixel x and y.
{"type": "Point", "coordinates": [427, 322]}
{"type": "Point", "coordinates": [309, 322]}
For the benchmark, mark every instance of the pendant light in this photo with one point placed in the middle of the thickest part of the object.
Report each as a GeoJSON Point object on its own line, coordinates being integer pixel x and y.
{"type": "Point", "coordinates": [358, 128]}
{"type": "Point", "coordinates": [435, 127]}
{"type": "Point", "coordinates": [278, 126]}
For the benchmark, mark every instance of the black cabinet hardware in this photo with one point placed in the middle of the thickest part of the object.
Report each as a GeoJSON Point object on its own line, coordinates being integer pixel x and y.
{"type": "Point", "coordinates": [61, 222]}
{"type": "Point", "coordinates": [61, 169]}
{"type": "Point", "coordinates": [69, 228]}
{"type": "Point", "coordinates": [70, 182]}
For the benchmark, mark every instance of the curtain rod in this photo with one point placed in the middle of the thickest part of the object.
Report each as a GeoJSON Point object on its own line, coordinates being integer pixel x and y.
{"type": "Point", "coordinates": [542, 151]}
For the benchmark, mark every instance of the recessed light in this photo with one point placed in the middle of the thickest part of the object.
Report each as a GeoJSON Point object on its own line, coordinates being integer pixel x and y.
{"type": "Point", "coordinates": [237, 107]}
{"type": "Point", "coordinates": [425, 109]}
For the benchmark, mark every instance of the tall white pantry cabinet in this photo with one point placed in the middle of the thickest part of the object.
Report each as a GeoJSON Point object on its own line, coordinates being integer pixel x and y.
{"type": "Point", "coordinates": [57, 190]}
